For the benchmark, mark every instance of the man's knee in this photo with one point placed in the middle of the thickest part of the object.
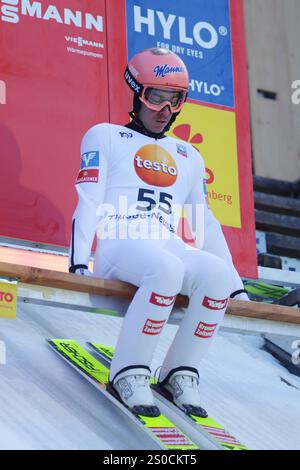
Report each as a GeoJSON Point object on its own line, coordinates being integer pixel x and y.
{"type": "Point", "coordinates": [219, 269]}
{"type": "Point", "coordinates": [169, 274]}
{"type": "Point", "coordinates": [209, 270]}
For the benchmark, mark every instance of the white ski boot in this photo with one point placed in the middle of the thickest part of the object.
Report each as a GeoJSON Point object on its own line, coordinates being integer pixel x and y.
{"type": "Point", "coordinates": [182, 386]}
{"type": "Point", "coordinates": [132, 387]}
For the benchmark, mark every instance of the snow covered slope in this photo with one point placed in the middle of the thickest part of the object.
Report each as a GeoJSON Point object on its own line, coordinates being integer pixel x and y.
{"type": "Point", "coordinates": [45, 404]}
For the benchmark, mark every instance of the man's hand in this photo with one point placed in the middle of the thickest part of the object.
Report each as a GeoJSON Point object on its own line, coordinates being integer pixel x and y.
{"type": "Point", "coordinates": [83, 272]}
{"type": "Point", "coordinates": [80, 269]}
{"type": "Point", "coordinates": [240, 295]}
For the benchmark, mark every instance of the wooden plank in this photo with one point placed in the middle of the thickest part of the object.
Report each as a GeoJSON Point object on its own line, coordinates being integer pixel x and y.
{"type": "Point", "coordinates": [269, 261]}
{"type": "Point", "coordinates": [63, 280]}
{"type": "Point", "coordinates": [263, 311]}
{"type": "Point", "coordinates": [283, 245]}
{"type": "Point", "coordinates": [37, 259]}
{"type": "Point", "coordinates": [276, 186]}
{"type": "Point", "coordinates": [44, 277]}
{"type": "Point", "coordinates": [278, 204]}
{"type": "Point", "coordinates": [285, 224]}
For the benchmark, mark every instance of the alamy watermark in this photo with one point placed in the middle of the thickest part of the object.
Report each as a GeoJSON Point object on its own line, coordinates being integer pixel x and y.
{"type": "Point", "coordinates": [296, 353]}
{"type": "Point", "coordinates": [2, 92]}
{"type": "Point", "coordinates": [2, 353]}
{"type": "Point", "coordinates": [296, 94]}
{"type": "Point", "coordinates": [151, 219]}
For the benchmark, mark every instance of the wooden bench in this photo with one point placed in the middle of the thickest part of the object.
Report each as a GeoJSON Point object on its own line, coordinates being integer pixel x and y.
{"type": "Point", "coordinates": [103, 287]}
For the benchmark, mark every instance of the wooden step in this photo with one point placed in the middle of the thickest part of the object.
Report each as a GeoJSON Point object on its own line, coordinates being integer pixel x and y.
{"type": "Point", "coordinates": [278, 204]}
{"type": "Point", "coordinates": [279, 223]}
{"type": "Point", "coordinates": [278, 187]}
{"type": "Point", "coordinates": [59, 280]}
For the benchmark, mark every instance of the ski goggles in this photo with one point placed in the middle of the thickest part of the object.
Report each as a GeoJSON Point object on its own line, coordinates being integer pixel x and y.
{"type": "Point", "coordinates": [157, 98]}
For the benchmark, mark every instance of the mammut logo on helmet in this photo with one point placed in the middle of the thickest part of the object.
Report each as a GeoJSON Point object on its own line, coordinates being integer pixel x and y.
{"type": "Point", "coordinates": [163, 70]}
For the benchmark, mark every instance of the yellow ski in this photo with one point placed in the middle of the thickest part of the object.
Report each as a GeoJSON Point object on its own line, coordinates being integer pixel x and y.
{"type": "Point", "coordinates": [207, 425]}
{"type": "Point", "coordinates": [160, 428]}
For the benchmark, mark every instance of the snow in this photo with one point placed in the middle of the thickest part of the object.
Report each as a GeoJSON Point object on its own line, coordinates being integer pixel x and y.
{"type": "Point", "coordinates": [45, 404]}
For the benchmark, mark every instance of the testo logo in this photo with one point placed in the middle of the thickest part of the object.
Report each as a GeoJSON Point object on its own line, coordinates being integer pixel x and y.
{"type": "Point", "coordinates": [157, 22]}
{"type": "Point", "coordinates": [155, 166]}
{"type": "Point", "coordinates": [12, 10]}
{"type": "Point", "coordinates": [6, 297]}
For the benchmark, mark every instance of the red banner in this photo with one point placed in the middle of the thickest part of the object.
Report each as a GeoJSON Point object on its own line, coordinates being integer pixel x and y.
{"type": "Point", "coordinates": [61, 71]}
{"type": "Point", "coordinates": [54, 64]}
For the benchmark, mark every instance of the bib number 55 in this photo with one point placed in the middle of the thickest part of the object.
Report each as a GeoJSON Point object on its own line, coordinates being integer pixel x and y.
{"type": "Point", "coordinates": [144, 195]}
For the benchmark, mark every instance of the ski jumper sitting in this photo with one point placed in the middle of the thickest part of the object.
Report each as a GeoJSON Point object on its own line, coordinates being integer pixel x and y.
{"type": "Point", "coordinates": [133, 183]}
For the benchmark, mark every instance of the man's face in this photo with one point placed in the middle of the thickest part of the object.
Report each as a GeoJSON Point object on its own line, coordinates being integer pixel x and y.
{"type": "Point", "coordinates": [155, 121]}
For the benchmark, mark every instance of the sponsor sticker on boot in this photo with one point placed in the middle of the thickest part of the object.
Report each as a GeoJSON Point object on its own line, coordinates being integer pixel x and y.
{"type": "Point", "coordinates": [205, 330]}
{"type": "Point", "coordinates": [214, 304]}
{"type": "Point", "coordinates": [153, 327]}
{"type": "Point", "coordinates": [162, 300]}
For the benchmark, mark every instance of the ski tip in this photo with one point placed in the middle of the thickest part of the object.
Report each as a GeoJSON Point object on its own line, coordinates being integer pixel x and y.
{"type": "Point", "coordinates": [49, 340]}
{"type": "Point", "coordinates": [54, 342]}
